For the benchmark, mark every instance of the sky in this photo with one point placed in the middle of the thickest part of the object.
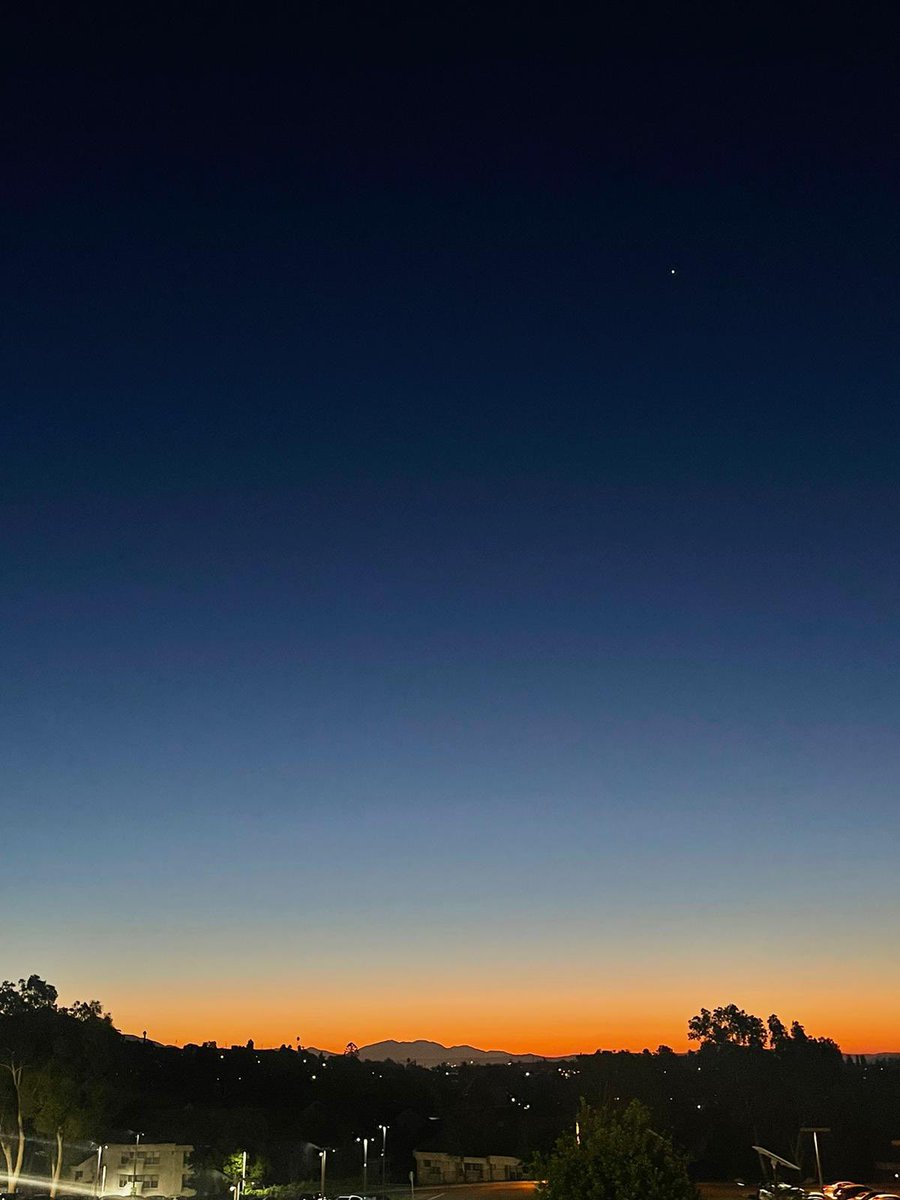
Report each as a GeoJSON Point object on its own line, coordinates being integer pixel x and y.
{"type": "Point", "coordinates": [449, 580]}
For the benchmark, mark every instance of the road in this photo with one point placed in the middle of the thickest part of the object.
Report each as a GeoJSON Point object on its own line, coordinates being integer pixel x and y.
{"type": "Point", "coordinates": [515, 1190]}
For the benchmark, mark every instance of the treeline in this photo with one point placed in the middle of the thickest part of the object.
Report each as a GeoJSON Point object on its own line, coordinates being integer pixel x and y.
{"type": "Point", "coordinates": [68, 1080]}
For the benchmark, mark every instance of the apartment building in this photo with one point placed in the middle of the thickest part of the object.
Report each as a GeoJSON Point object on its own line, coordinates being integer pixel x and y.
{"type": "Point", "coordinates": [433, 1166]}
{"type": "Point", "coordinates": [159, 1170]}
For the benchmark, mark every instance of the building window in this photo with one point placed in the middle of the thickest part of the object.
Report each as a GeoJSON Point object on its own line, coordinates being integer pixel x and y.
{"type": "Point", "coordinates": [125, 1159]}
{"type": "Point", "coordinates": [152, 1181]}
{"type": "Point", "coordinates": [124, 1180]}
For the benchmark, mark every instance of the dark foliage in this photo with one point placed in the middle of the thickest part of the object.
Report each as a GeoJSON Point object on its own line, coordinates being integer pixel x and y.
{"type": "Point", "coordinates": [616, 1155]}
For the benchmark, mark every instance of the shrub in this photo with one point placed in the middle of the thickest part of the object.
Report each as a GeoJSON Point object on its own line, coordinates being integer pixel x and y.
{"type": "Point", "coordinates": [616, 1156]}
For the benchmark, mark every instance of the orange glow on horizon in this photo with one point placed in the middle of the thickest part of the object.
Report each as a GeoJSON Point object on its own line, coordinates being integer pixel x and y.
{"type": "Point", "coordinates": [529, 1034]}
{"type": "Point", "coordinates": [521, 1014]}
{"type": "Point", "coordinates": [238, 1036]}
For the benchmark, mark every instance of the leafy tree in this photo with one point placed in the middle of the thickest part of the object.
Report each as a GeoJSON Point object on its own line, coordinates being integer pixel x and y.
{"type": "Point", "coordinates": [12, 1120]}
{"type": "Point", "coordinates": [37, 994]}
{"type": "Point", "coordinates": [233, 1168]}
{"type": "Point", "coordinates": [89, 1010]}
{"type": "Point", "coordinates": [59, 1111]}
{"type": "Point", "coordinates": [728, 1025]}
{"type": "Point", "coordinates": [29, 995]}
{"type": "Point", "coordinates": [614, 1156]}
{"type": "Point", "coordinates": [778, 1034]}
{"type": "Point", "coordinates": [52, 1074]}
{"type": "Point", "coordinates": [71, 1092]}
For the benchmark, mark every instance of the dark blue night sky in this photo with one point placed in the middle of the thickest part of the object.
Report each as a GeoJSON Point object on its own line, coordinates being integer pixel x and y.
{"type": "Point", "coordinates": [401, 564]}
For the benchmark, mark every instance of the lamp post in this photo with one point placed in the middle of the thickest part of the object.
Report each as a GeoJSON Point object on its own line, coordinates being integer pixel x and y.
{"type": "Point", "coordinates": [323, 1157]}
{"type": "Point", "coordinates": [241, 1181]}
{"type": "Point", "coordinates": [137, 1146]}
{"type": "Point", "coordinates": [384, 1129]}
{"type": "Point", "coordinates": [98, 1189]}
{"type": "Point", "coordinates": [815, 1131]}
{"type": "Point", "coordinates": [365, 1146]}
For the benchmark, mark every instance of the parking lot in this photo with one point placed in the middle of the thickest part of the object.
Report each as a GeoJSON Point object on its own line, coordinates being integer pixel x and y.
{"type": "Point", "coordinates": [513, 1190]}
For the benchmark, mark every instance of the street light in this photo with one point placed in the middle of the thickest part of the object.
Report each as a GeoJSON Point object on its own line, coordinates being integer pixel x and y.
{"type": "Point", "coordinates": [137, 1146]}
{"type": "Point", "coordinates": [384, 1129]}
{"type": "Point", "coordinates": [241, 1182]}
{"type": "Point", "coordinates": [365, 1146]}
{"type": "Point", "coordinates": [815, 1131]}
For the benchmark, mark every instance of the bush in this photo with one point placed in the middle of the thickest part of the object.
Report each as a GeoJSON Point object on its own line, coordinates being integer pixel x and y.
{"type": "Point", "coordinates": [616, 1157]}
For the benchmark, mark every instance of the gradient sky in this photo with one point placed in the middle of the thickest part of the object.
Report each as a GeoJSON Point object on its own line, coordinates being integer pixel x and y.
{"type": "Point", "coordinates": [422, 613]}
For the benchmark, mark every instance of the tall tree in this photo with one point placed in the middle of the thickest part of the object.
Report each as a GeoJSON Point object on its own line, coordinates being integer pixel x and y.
{"type": "Point", "coordinates": [12, 1120]}
{"type": "Point", "coordinates": [53, 1073]}
{"type": "Point", "coordinates": [28, 995]}
{"type": "Point", "coordinates": [727, 1025]}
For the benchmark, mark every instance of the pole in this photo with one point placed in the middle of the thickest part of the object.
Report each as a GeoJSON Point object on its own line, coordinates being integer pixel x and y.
{"type": "Point", "coordinates": [815, 1130]}
{"type": "Point", "coordinates": [103, 1181]}
{"type": "Point", "coordinates": [97, 1190]}
{"type": "Point", "coordinates": [384, 1130]}
{"type": "Point", "coordinates": [412, 1185]}
{"type": "Point", "coordinates": [323, 1154]}
{"type": "Point", "coordinates": [818, 1159]}
{"type": "Point", "coordinates": [365, 1165]}
{"type": "Point", "coordinates": [137, 1146]}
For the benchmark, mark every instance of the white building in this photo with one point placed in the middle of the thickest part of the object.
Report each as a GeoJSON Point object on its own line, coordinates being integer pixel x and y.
{"type": "Point", "coordinates": [435, 1167]}
{"type": "Point", "coordinates": [152, 1169]}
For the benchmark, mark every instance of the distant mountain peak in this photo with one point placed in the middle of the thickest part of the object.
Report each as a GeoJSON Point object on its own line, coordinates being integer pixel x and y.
{"type": "Point", "coordinates": [430, 1054]}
